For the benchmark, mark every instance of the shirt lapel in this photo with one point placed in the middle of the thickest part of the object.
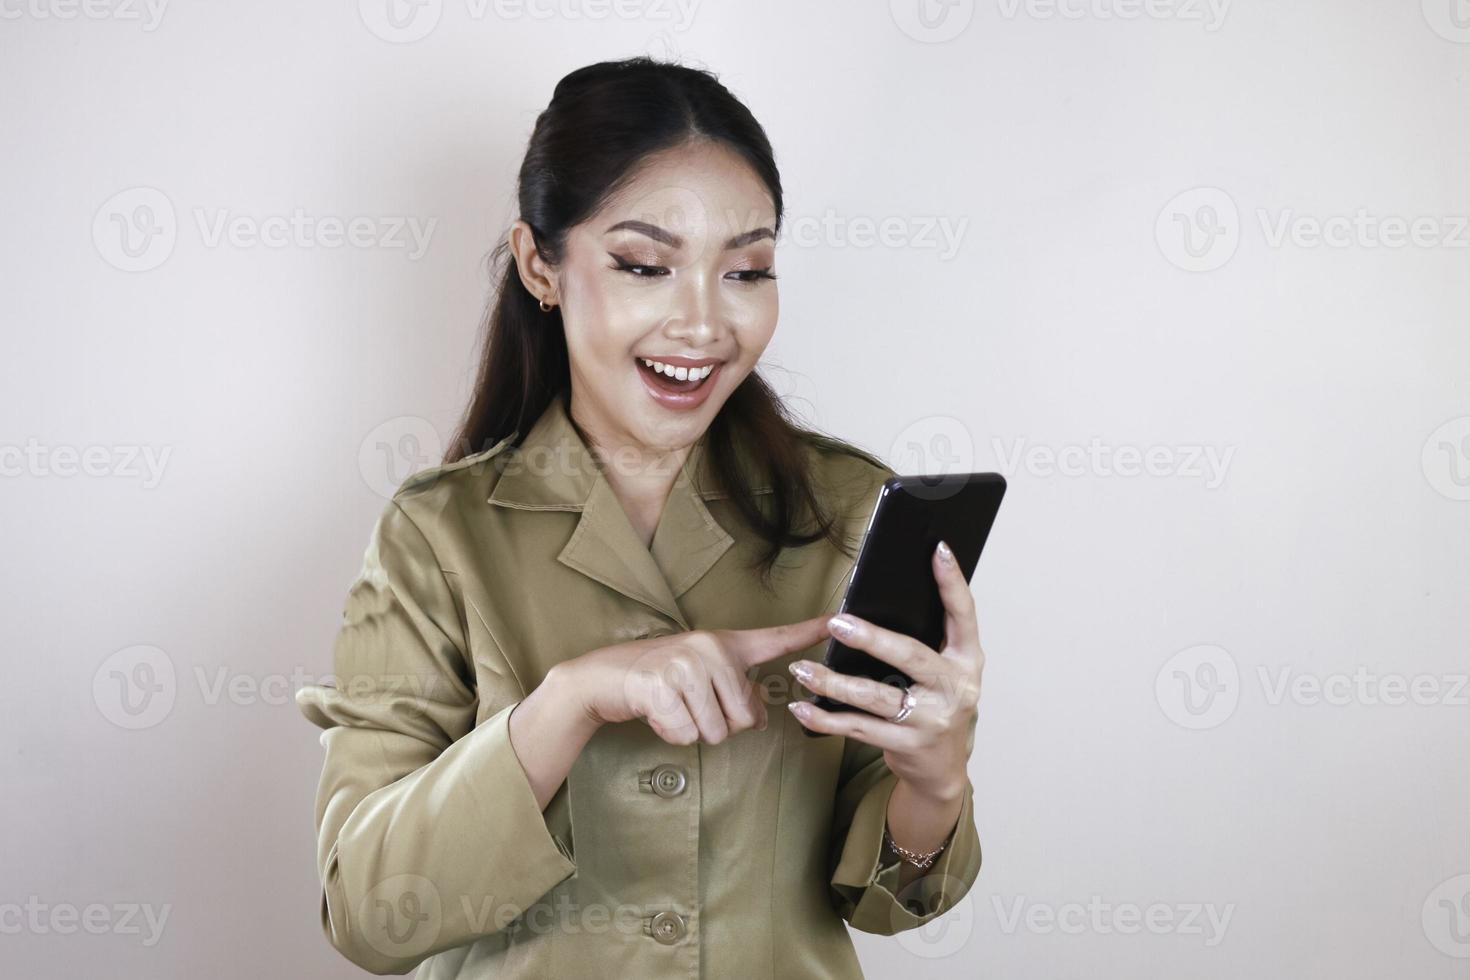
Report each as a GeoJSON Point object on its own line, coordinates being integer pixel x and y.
{"type": "Point", "coordinates": [553, 469]}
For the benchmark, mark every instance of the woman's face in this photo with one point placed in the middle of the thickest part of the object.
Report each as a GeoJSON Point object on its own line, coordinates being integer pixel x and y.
{"type": "Point", "coordinates": [675, 269]}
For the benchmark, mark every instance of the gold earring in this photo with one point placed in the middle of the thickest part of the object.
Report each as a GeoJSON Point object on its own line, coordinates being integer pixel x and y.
{"type": "Point", "coordinates": [544, 307]}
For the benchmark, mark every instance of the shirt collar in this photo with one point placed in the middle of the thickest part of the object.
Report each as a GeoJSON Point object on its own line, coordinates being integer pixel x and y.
{"type": "Point", "coordinates": [553, 469]}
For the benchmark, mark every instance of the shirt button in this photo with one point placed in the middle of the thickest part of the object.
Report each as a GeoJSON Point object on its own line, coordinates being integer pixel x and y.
{"type": "Point", "coordinates": [669, 781]}
{"type": "Point", "coordinates": [668, 927]}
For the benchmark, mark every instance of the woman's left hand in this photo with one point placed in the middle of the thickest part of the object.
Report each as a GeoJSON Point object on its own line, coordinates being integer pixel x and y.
{"type": "Point", "coordinates": [927, 750]}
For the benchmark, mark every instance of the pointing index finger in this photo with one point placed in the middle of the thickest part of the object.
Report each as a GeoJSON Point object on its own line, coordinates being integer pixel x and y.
{"type": "Point", "coordinates": [758, 646]}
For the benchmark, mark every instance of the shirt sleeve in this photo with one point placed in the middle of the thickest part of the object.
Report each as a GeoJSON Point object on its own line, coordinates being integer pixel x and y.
{"type": "Point", "coordinates": [428, 832]}
{"type": "Point", "coordinates": [865, 888]}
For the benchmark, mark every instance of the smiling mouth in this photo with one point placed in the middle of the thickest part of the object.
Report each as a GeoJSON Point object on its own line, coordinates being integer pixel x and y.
{"type": "Point", "coordinates": [667, 376]}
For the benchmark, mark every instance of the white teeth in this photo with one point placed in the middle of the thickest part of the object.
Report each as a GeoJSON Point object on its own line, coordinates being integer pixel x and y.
{"type": "Point", "coordinates": [680, 373]}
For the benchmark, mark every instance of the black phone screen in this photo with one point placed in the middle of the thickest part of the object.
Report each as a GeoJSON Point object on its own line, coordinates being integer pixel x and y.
{"type": "Point", "coordinates": [892, 583]}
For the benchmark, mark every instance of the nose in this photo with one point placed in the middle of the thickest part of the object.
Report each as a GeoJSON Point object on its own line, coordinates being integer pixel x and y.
{"type": "Point", "coordinates": [695, 317]}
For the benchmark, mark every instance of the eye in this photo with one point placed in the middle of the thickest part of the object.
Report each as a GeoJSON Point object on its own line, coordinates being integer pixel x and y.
{"type": "Point", "coordinates": [755, 275]}
{"type": "Point", "coordinates": [640, 271]}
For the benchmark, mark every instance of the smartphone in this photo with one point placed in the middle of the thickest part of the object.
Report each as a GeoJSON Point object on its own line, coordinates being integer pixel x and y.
{"type": "Point", "coordinates": [892, 583]}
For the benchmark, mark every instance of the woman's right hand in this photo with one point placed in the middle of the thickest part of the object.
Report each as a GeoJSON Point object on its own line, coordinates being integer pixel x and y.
{"type": "Point", "coordinates": [687, 686]}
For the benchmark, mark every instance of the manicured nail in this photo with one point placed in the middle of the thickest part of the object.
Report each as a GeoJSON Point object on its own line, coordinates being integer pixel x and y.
{"type": "Point", "coordinates": [840, 626]}
{"type": "Point", "coordinates": [802, 670]}
{"type": "Point", "coordinates": [945, 555]}
{"type": "Point", "coordinates": [800, 709]}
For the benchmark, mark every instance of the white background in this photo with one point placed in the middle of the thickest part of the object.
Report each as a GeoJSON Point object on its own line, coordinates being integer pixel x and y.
{"type": "Point", "coordinates": [1136, 745]}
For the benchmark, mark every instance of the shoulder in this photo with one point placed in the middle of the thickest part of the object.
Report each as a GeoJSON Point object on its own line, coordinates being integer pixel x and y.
{"type": "Point", "coordinates": [841, 465]}
{"type": "Point", "coordinates": [439, 487]}
{"type": "Point", "coordinates": [846, 477]}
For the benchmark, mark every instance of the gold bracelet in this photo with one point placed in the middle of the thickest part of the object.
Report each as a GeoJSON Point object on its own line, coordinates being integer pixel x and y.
{"type": "Point", "coordinates": [920, 861]}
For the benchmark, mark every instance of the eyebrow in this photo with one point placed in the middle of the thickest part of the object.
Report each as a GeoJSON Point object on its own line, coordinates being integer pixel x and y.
{"type": "Point", "coordinates": [675, 241]}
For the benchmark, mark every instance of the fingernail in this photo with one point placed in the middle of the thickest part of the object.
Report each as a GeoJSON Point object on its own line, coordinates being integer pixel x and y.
{"type": "Point", "coordinates": [802, 670]}
{"type": "Point", "coordinates": [945, 555]}
{"type": "Point", "coordinates": [840, 626]}
{"type": "Point", "coordinates": [799, 708]}
{"type": "Point", "coordinates": [762, 726]}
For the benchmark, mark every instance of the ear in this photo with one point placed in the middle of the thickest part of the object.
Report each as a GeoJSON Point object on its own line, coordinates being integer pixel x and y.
{"type": "Point", "coordinates": [536, 274]}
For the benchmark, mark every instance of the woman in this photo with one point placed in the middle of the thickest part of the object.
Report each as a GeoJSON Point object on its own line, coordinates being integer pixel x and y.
{"type": "Point", "coordinates": [548, 751]}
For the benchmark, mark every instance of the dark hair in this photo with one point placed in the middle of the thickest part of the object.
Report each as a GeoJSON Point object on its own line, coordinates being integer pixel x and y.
{"type": "Point", "coordinates": [602, 122]}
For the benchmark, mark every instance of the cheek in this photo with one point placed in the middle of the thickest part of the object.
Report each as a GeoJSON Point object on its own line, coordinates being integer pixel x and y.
{"type": "Point", "coordinates": [601, 321]}
{"type": "Point", "coordinates": [755, 325]}
{"type": "Point", "coordinates": [613, 305]}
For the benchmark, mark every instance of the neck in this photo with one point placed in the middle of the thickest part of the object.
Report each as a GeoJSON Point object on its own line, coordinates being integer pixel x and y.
{"type": "Point", "coordinates": [640, 476]}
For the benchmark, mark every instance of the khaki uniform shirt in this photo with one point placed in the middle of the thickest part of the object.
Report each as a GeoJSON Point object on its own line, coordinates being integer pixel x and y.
{"type": "Point", "coordinates": [742, 859]}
